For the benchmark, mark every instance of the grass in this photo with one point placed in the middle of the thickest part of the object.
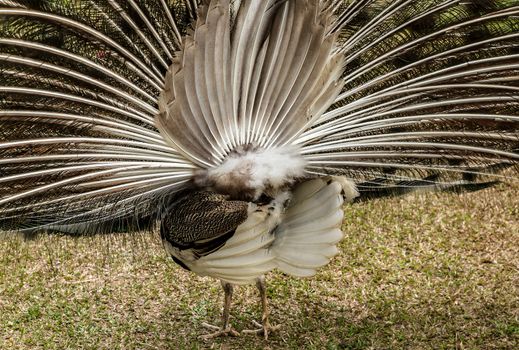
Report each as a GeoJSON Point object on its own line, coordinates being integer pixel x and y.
{"type": "Point", "coordinates": [425, 271]}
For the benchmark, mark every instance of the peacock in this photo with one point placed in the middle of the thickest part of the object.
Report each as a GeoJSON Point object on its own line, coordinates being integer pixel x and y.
{"type": "Point", "coordinates": [240, 129]}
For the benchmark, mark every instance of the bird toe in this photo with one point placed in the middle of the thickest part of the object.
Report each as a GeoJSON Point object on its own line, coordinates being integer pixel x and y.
{"type": "Point", "coordinates": [263, 329]}
{"type": "Point", "coordinates": [219, 332]}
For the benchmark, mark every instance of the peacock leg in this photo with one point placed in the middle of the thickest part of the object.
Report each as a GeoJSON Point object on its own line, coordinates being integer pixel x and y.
{"type": "Point", "coordinates": [266, 327]}
{"type": "Point", "coordinates": [226, 329]}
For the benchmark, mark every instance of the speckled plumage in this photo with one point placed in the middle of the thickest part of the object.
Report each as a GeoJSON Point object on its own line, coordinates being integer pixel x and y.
{"type": "Point", "coordinates": [201, 216]}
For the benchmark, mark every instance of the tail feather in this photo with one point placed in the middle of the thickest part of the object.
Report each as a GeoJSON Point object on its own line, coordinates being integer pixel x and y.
{"type": "Point", "coordinates": [269, 75]}
{"type": "Point", "coordinates": [79, 152]}
{"type": "Point", "coordinates": [107, 108]}
{"type": "Point", "coordinates": [427, 82]}
{"type": "Point", "coordinates": [325, 195]}
{"type": "Point", "coordinates": [307, 237]}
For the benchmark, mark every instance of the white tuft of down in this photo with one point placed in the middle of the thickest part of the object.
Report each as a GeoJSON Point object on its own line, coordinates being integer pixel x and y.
{"type": "Point", "coordinates": [257, 171]}
{"type": "Point", "coordinates": [349, 189]}
{"type": "Point", "coordinates": [306, 238]}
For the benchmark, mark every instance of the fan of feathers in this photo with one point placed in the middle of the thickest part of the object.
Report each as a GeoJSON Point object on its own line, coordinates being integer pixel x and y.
{"type": "Point", "coordinates": [233, 124]}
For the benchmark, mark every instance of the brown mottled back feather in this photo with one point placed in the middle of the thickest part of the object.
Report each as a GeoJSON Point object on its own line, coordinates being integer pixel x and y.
{"type": "Point", "coordinates": [199, 216]}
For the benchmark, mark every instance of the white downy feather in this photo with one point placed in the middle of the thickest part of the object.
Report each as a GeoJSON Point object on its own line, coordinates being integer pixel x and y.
{"type": "Point", "coordinates": [255, 171]}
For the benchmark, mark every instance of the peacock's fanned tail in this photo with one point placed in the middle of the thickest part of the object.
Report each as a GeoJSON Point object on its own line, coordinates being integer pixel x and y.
{"type": "Point", "coordinates": [79, 82]}
{"type": "Point", "coordinates": [430, 96]}
{"type": "Point", "coordinates": [394, 94]}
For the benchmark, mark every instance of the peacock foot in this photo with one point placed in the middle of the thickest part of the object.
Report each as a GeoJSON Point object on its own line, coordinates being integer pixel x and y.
{"type": "Point", "coordinates": [219, 332]}
{"type": "Point", "coordinates": [263, 329]}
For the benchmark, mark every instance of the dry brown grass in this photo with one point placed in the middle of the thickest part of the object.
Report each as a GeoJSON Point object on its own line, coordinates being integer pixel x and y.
{"type": "Point", "coordinates": [425, 271]}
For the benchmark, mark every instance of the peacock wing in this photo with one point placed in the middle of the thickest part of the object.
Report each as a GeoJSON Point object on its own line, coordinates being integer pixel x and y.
{"type": "Point", "coordinates": [202, 221]}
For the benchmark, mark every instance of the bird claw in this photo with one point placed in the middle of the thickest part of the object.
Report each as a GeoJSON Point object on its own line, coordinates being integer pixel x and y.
{"type": "Point", "coordinates": [219, 332]}
{"type": "Point", "coordinates": [264, 329]}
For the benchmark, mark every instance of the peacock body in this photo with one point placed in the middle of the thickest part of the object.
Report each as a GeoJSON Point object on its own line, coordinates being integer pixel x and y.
{"type": "Point", "coordinates": [241, 127]}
